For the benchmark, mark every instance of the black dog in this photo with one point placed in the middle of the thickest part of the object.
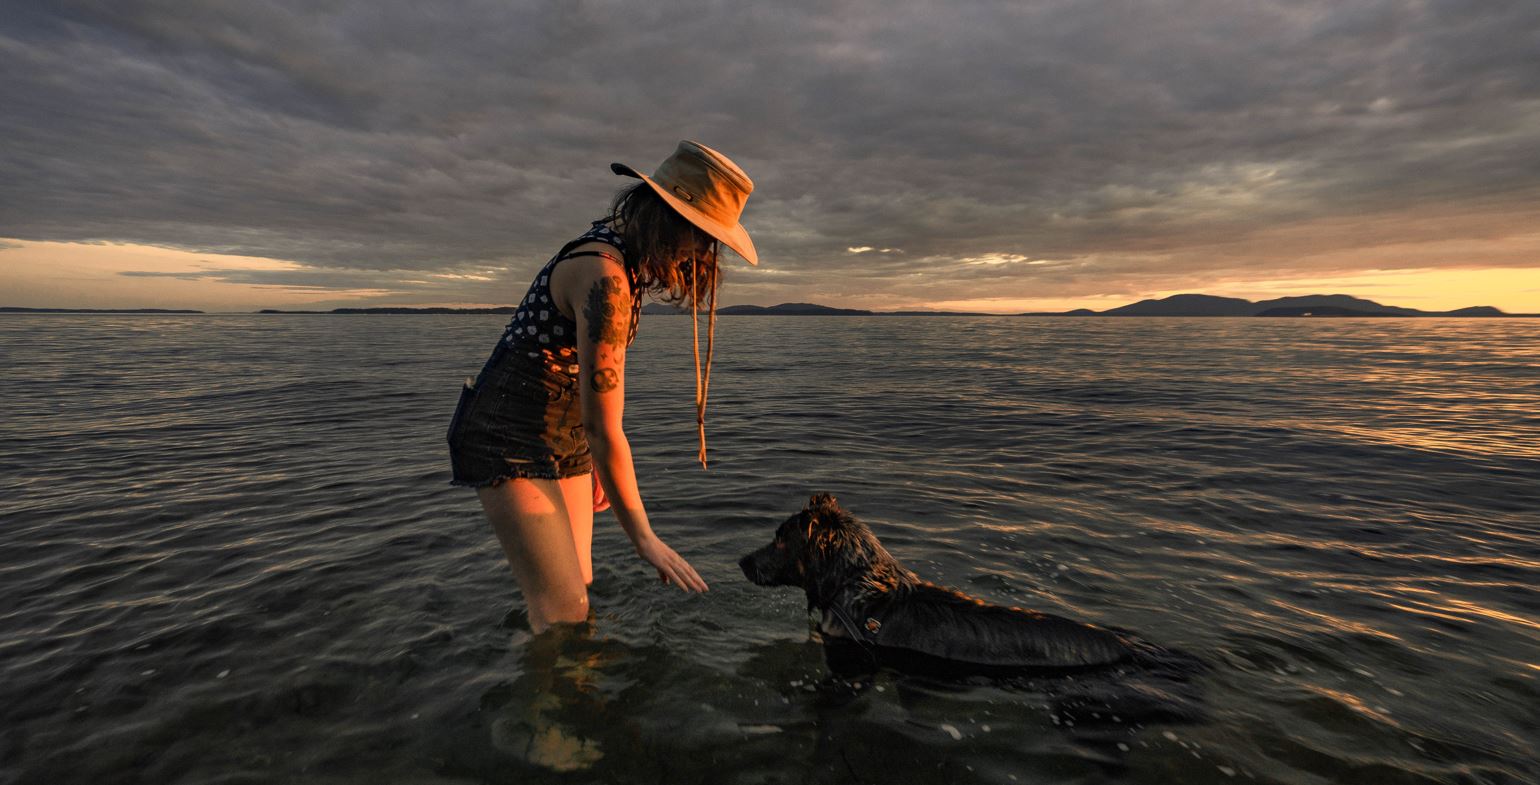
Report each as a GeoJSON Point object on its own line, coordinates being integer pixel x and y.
{"type": "Point", "coordinates": [867, 598]}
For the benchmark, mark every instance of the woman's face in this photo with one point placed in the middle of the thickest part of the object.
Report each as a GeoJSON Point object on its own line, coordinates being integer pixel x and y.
{"type": "Point", "coordinates": [699, 246]}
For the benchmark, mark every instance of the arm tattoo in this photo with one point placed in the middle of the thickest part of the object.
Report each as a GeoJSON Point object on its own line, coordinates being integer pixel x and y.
{"type": "Point", "coordinates": [607, 302]}
{"type": "Point", "coordinates": [604, 380]}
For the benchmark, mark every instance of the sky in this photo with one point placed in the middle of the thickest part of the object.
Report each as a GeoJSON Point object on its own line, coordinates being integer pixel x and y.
{"type": "Point", "coordinates": [1001, 157]}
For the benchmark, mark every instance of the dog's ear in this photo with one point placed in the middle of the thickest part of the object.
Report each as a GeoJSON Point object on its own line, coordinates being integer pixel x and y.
{"type": "Point", "coordinates": [823, 502]}
{"type": "Point", "coordinates": [822, 508]}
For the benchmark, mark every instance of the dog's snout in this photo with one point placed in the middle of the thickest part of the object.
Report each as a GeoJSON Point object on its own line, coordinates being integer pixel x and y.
{"type": "Point", "coordinates": [769, 565]}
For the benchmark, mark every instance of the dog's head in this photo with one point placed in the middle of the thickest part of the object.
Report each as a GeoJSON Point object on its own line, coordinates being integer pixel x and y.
{"type": "Point", "coordinates": [822, 549]}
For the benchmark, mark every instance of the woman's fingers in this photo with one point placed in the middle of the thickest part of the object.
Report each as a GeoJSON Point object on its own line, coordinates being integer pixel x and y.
{"type": "Point", "coordinates": [681, 574]}
{"type": "Point", "coordinates": [692, 578]}
{"type": "Point", "coordinates": [671, 567]}
{"type": "Point", "coordinates": [685, 576]}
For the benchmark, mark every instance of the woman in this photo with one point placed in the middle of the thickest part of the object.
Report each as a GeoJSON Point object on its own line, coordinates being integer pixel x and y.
{"type": "Point", "coordinates": [545, 412]}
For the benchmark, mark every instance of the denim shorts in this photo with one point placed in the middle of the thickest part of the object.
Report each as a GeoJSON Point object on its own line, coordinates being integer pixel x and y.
{"type": "Point", "coordinates": [518, 419]}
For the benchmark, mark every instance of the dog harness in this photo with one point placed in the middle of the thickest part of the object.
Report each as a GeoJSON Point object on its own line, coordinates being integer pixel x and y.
{"type": "Point", "coordinates": [863, 632]}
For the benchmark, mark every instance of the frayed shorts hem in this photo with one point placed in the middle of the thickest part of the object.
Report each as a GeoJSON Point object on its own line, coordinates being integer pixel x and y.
{"type": "Point", "coordinates": [531, 473]}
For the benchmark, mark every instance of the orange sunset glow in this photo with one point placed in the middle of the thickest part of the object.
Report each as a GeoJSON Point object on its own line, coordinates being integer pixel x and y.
{"type": "Point", "coordinates": [1066, 158]}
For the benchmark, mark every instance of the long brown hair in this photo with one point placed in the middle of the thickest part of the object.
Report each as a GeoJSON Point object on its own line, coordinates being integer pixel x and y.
{"type": "Point", "coordinates": [677, 263]}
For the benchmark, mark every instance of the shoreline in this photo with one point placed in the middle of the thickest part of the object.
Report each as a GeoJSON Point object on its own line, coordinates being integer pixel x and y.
{"type": "Point", "coordinates": [873, 314]}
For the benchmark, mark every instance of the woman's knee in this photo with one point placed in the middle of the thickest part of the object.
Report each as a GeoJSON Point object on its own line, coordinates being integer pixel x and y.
{"type": "Point", "coordinates": [559, 608]}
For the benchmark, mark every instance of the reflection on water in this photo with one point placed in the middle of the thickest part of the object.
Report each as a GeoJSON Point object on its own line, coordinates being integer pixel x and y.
{"type": "Point", "coordinates": [230, 553]}
{"type": "Point", "coordinates": [577, 701]}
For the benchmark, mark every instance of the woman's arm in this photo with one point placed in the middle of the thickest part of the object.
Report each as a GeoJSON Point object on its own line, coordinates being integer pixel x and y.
{"type": "Point", "coordinates": [594, 290]}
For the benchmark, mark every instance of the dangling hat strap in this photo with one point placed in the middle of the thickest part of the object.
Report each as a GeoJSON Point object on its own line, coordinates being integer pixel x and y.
{"type": "Point", "coordinates": [702, 379]}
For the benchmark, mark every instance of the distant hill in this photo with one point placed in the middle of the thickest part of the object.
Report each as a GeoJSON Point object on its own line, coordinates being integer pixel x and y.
{"type": "Point", "coordinates": [1175, 305]}
{"type": "Point", "coordinates": [13, 309]}
{"type": "Point", "coordinates": [1309, 305]}
{"type": "Point", "coordinates": [659, 309]}
{"type": "Point", "coordinates": [799, 309]}
{"type": "Point", "coordinates": [502, 309]}
{"type": "Point", "coordinates": [784, 309]}
{"type": "Point", "coordinates": [1334, 310]}
{"type": "Point", "coordinates": [1341, 305]}
{"type": "Point", "coordinates": [791, 309]}
{"type": "Point", "coordinates": [934, 313]}
{"type": "Point", "coordinates": [1346, 303]}
{"type": "Point", "coordinates": [1186, 305]}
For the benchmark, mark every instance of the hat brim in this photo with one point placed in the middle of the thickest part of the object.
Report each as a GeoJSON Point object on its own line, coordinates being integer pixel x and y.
{"type": "Point", "coordinates": [733, 236]}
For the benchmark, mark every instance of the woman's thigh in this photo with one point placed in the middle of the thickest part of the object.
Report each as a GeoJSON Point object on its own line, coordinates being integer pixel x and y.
{"type": "Point", "coordinates": [579, 496]}
{"type": "Point", "coordinates": [531, 521]}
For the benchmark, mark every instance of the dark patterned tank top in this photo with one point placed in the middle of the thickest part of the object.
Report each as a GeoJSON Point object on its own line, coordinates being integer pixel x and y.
{"type": "Point", "coordinates": [540, 330]}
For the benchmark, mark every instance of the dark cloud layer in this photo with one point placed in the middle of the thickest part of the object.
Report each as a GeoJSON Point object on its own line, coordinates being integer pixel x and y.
{"type": "Point", "coordinates": [992, 147]}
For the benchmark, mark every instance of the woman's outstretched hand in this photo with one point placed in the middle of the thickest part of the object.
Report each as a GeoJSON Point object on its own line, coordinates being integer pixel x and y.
{"type": "Point", "coordinates": [672, 568]}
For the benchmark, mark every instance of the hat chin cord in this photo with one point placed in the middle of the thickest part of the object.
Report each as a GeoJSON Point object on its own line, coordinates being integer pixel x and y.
{"type": "Point", "coordinates": [702, 379]}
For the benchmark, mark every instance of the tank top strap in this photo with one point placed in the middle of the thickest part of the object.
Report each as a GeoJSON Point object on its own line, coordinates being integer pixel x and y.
{"type": "Point", "coordinates": [598, 232]}
{"type": "Point", "coordinates": [600, 254]}
{"type": "Point", "coordinates": [601, 232]}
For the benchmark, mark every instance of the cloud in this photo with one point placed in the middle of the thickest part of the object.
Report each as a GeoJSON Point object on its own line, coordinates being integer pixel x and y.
{"type": "Point", "coordinates": [400, 285]}
{"type": "Point", "coordinates": [1084, 147]}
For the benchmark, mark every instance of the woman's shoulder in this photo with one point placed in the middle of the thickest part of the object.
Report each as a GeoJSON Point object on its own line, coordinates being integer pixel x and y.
{"type": "Point", "coordinates": [576, 275]}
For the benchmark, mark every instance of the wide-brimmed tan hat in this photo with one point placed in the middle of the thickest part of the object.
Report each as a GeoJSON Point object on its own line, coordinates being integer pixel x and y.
{"type": "Point", "coordinates": [707, 189]}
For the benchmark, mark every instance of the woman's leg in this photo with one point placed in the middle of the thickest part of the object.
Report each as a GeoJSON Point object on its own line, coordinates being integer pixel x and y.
{"type": "Point", "coordinates": [579, 495]}
{"type": "Point", "coordinates": [531, 521]}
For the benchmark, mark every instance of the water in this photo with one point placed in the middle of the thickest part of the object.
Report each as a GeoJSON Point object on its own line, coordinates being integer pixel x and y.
{"type": "Point", "coordinates": [230, 554]}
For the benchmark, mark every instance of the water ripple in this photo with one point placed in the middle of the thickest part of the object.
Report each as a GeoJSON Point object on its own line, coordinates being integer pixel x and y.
{"type": "Point", "coordinates": [231, 552]}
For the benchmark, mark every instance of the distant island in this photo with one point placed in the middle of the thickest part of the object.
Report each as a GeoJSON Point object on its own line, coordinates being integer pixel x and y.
{"type": "Point", "coordinates": [13, 309]}
{"type": "Point", "coordinates": [1310, 305]}
{"type": "Point", "coordinates": [800, 309]}
{"type": "Point", "coordinates": [661, 309]}
{"type": "Point", "coordinates": [1315, 305]}
{"type": "Point", "coordinates": [501, 309]}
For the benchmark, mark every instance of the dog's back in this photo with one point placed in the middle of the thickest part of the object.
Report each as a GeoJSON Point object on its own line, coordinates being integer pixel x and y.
{"type": "Point", "coordinates": [936, 622]}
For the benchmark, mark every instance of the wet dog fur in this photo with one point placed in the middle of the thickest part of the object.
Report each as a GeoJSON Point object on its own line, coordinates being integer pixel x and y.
{"type": "Point", "coordinates": [865, 597]}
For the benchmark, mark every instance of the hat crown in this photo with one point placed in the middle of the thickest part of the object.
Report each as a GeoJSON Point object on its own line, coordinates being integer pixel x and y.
{"type": "Point", "coordinates": [706, 180]}
{"type": "Point", "coordinates": [705, 187]}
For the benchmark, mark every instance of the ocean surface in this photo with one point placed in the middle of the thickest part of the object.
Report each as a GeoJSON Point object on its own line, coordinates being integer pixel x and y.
{"type": "Point", "coordinates": [229, 552]}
